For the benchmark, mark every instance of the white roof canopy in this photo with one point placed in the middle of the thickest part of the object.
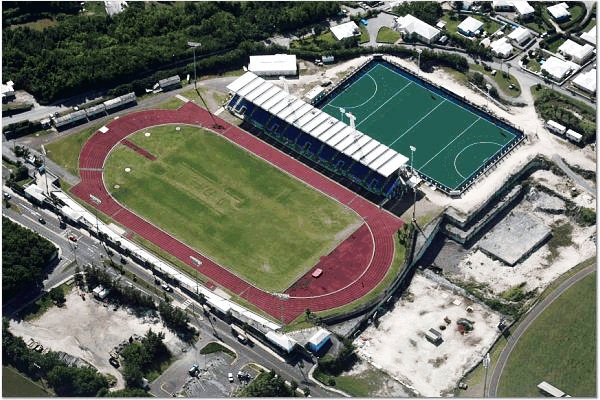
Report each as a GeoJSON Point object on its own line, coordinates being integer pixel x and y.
{"type": "Point", "coordinates": [318, 124]}
{"type": "Point", "coordinates": [278, 63]}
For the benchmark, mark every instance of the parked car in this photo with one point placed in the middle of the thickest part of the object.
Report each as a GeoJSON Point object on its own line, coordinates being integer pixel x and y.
{"type": "Point", "coordinates": [6, 196]}
{"type": "Point", "coordinates": [42, 220]}
{"type": "Point", "coordinates": [114, 362]}
{"type": "Point", "coordinates": [230, 377]}
{"type": "Point", "coordinates": [73, 238]}
{"type": "Point", "coordinates": [167, 288]}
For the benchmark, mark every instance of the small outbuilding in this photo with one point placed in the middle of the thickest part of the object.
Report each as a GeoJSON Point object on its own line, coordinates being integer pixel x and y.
{"type": "Point", "coordinates": [318, 340]}
{"type": "Point", "coordinates": [433, 336]}
{"type": "Point", "coordinates": [170, 83]}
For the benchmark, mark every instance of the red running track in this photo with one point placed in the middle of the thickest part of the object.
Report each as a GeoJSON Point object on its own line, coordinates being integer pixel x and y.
{"type": "Point", "coordinates": [347, 287]}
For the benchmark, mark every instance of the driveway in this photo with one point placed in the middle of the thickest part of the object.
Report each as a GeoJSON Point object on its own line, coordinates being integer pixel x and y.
{"type": "Point", "coordinates": [374, 24]}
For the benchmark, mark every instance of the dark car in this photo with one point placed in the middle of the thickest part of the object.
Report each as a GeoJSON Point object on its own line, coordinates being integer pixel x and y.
{"type": "Point", "coordinates": [42, 221]}
{"type": "Point", "coordinates": [114, 362]}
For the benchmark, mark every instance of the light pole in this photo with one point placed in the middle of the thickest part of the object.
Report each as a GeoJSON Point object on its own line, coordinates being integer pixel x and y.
{"type": "Point", "coordinates": [486, 364]}
{"type": "Point", "coordinates": [419, 51]}
{"type": "Point", "coordinates": [488, 87]}
{"type": "Point", "coordinates": [45, 170]}
{"type": "Point", "coordinates": [97, 202]}
{"type": "Point", "coordinates": [412, 170]}
{"type": "Point", "coordinates": [193, 45]}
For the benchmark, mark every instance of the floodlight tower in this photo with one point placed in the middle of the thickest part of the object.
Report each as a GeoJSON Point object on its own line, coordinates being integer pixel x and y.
{"type": "Point", "coordinates": [285, 84]}
{"type": "Point", "coordinates": [419, 51]}
{"type": "Point", "coordinates": [342, 112]}
{"type": "Point", "coordinates": [355, 133]}
{"type": "Point", "coordinates": [45, 171]}
{"type": "Point", "coordinates": [193, 45]}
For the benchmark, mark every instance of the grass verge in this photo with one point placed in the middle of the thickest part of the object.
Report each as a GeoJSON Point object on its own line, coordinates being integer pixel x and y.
{"type": "Point", "coordinates": [15, 384]}
{"type": "Point", "coordinates": [214, 347]}
{"type": "Point", "coordinates": [387, 35]}
{"type": "Point", "coordinates": [547, 351]}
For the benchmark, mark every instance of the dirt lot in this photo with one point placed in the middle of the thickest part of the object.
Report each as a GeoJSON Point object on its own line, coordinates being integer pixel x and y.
{"type": "Point", "coordinates": [399, 346]}
{"type": "Point", "coordinates": [87, 330]}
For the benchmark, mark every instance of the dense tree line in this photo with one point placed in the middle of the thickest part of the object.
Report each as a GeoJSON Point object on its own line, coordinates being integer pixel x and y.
{"type": "Point", "coordinates": [65, 380]}
{"type": "Point", "coordinates": [267, 384]}
{"type": "Point", "coordinates": [427, 11]}
{"type": "Point", "coordinates": [84, 52]}
{"type": "Point", "coordinates": [19, 12]}
{"type": "Point", "coordinates": [176, 320]}
{"type": "Point", "coordinates": [142, 357]}
{"type": "Point", "coordinates": [24, 256]}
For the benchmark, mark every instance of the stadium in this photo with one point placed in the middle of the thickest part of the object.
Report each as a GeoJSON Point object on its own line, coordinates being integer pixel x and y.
{"type": "Point", "coordinates": [389, 112]}
{"type": "Point", "coordinates": [287, 231]}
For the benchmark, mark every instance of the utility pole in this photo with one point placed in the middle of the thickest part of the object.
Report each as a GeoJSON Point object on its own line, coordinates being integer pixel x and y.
{"type": "Point", "coordinates": [419, 51]}
{"type": "Point", "coordinates": [45, 171]}
{"type": "Point", "coordinates": [97, 202]}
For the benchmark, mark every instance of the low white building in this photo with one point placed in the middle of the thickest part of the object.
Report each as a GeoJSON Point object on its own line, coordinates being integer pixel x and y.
{"type": "Point", "coordinates": [573, 136]}
{"type": "Point", "coordinates": [273, 65]}
{"type": "Point", "coordinates": [590, 36]}
{"type": "Point", "coordinates": [586, 81]}
{"type": "Point", "coordinates": [578, 53]}
{"type": "Point", "coordinates": [558, 69]}
{"type": "Point", "coordinates": [501, 47]}
{"type": "Point", "coordinates": [8, 90]}
{"type": "Point", "coordinates": [414, 28]}
{"type": "Point", "coordinates": [520, 35]}
{"type": "Point", "coordinates": [555, 127]}
{"type": "Point", "coordinates": [346, 30]}
{"type": "Point", "coordinates": [560, 11]}
{"type": "Point", "coordinates": [523, 8]}
{"type": "Point", "coordinates": [470, 26]}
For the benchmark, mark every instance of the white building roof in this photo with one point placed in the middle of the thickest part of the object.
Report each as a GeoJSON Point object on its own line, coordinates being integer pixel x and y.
{"type": "Point", "coordinates": [36, 192]}
{"type": "Point", "coordinates": [586, 80]}
{"type": "Point", "coordinates": [556, 125]}
{"type": "Point", "coordinates": [575, 50]}
{"type": "Point", "coordinates": [523, 7]}
{"type": "Point", "coordinates": [319, 336]}
{"type": "Point", "coordinates": [321, 125]}
{"type": "Point", "coordinates": [410, 25]}
{"type": "Point", "coordinates": [314, 92]}
{"type": "Point", "coordinates": [501, 3]}
{"type": "Point", "coordinates": [70, 213]}
{"type": "Point", "coordinates": [346, 30]}
{"type": "Point", "coordinates": [590, 36]}
{"type": "Point", "coordinates": [273, 63]}
{"type": "Point", "coordinates": [520, 34]}
{"type": "Point", "coordinates": [574, 135]}
{"type": "Point", "coordinates": [501, 47]}
{"type": "Point", "coordinates": [559, 11]}
{"type": "Point", "coordinates": [8, 89]}
{"type": "Point", "coordinates": [558, 68]}
{"type": "Point", "coordinates": [281, 340]}
{"type": "Point", "coordinates": [470, 24]}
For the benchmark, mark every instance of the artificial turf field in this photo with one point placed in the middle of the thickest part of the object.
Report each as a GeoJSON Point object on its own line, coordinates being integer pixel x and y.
{"type": "Point", "coordinates": [452, 143]}
{"type": "Point", "coordinates": [558, 347]}
{"type": "Point", "coordinates": [228, 204]}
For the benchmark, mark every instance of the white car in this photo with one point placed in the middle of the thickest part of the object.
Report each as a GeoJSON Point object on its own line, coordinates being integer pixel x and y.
{"type": "Point", "coordinates": [230, 377]}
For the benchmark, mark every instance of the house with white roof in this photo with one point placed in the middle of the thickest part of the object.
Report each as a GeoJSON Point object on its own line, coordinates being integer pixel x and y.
{"type": "Point", "coordinates": [586, 81]}
{"type": "Point", "coordinates": [8, 90]}
{"type": "Point", "coordinates": [345, 30]}
{"type": "Point", "coordinates": [590, 36]}
{"type": "Point", "coordinates": [414, 28]}
{"type": "Point", "coordinates": [524, 9]}
{"type": "Point", "coordinates": [502, 5]}
{"type": "Point", "coordinates": [501, 47]}
{"type": "Point", "coordinates": [470, 26]}
{"type": "Point", "coordinates": [520, 36]}
{"type": "Point", "coordinates": [558, 69]}
{"type": "Point", "coordinates": [559, 12]}
{"type": "Point", "coordinates": [578, 53]}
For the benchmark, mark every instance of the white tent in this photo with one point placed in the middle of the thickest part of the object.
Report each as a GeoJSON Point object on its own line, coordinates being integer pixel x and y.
{"type": "Point", "coordinates": [273, 65]}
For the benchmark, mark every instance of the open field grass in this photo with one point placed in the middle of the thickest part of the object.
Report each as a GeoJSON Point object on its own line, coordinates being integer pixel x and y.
{"type": "Point", "coordinates": [172, 104]}
{"type": "Point", "coordinates": [365, 384]}
{"type": "Point", "coordinates": [16, 385]}
{"type": "Point", "coordinates": [364, 34]}
{"type": "Point", "coordinates": [65, 152]}
{"type": "Point", "coordinates": [240, 211]}
{"type": "Point", "coordinates": [38, 25]}
{"type": "Point", "coordinates": [559, 347]}
{"type": "Point", "coordinates": [387, 35]}
{"type": "Point", "coordinates": [554, 45]}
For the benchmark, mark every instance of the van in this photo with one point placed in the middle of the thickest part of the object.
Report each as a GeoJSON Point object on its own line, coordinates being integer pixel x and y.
{"type": "Point", "coordinates": [242, 339]}
{"type": "Point", "coordinates": [193, 370]}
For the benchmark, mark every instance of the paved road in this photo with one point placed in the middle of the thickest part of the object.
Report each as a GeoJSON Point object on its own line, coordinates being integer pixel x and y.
{"type": "Point", "coordinates": [529, 319]}
{"type": "Point", "coordinates": [578, 179]}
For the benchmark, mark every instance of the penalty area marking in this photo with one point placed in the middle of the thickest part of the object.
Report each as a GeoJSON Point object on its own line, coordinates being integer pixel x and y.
{"type": "Point", "coordinates": [466, 147]}
{"type": "Point", "coordinates": [364, 102]}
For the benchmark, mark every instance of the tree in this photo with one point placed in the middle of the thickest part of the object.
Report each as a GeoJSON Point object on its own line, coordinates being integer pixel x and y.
{"type": "Point", "coordinates": [267, 384]}
{"type": "Point", "coordinates": [57, 296]}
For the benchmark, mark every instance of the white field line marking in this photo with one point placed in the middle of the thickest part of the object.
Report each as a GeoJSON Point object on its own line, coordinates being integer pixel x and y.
{"type": "Point", "coordinates": [387, 101]}
{"type": "Point", "coordinates": [417, 123]}
{"type": "Point", "coordinates": [446, 146]}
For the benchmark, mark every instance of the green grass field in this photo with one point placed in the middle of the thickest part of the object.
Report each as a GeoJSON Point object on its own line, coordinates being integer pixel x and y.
{"type": "Point", "coordinates": [559, 347]}
{"type": "Point", "coordinates": [387, 35]}
{"type": "Point", "coordinates": [451, 142]}
{"type": "Point", "coordinates": [233, 207]}
{"type": "Point", "coordinates": [16, 385]}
